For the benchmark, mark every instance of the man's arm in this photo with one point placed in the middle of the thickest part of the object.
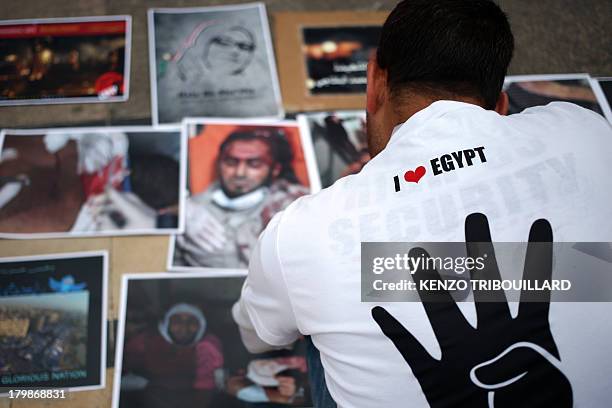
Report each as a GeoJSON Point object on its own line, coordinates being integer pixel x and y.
{"type": "Point", "coordinates": [264, 312]}
{"type": "Point", "coordinates": [253, 343]}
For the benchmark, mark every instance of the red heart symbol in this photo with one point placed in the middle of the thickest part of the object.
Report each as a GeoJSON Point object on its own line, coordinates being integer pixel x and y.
{"type": "Point", "coordinates": [414, 176]}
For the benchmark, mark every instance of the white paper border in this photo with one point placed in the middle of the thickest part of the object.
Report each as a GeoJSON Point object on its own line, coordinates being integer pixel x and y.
{"type": "Point", "coordinates": [80, 99]}
{"type": "Point", "coordinates": [103, 307]}
{"type": "Point", "coordinates": [263, 16]}
{"type": "Point", "coordinates": [103, 129]}
{"type": "Point", "coordinates": [599, 95]}
{"type": "Point", "coordinates": [309, 158]}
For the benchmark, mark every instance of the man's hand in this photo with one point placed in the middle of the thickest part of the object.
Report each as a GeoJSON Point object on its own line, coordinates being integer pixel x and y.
{"type": "Point", "coordinates": [504, 362]}
{"type": "Point", "coordinates": [122, 210]}
{"type": "Point", "coordinates": [286, 386]}
{"type": "Point", "coordinates": [114, 210]}
{"type": "Point", "coordinates": [236, 382]}
{"type": "Point", "coordinates": [204, 235]}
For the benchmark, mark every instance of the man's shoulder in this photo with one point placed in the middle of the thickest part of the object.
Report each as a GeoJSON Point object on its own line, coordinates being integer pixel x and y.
{"type": "Point", "coordinates": [311, 209]}
{"type": "Point", "coordinates": [562, 115]}
{"type": "Point", "coordinates": [204, 196]}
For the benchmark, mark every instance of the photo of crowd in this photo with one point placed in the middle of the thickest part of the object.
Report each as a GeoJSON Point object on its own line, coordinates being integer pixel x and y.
{"type": "Point", "coordinates": [90, 181]}
{"type": "Point", "coordinates": [337, 58]}
{"type": "Point", "coordinates": [179, 346]}
{"type": "Point", "coordinates": [64, 60]}
{"type": "Point", "coordinates": [538, 90]}
{"type": "Point", "coordinates": [240, 176]}
{"type": "Point", "coordinates": [52, 320]}
{"type": "Point", "coordinates": [214, 62]}
{"type": "Point", "coordinates": [339, 143]}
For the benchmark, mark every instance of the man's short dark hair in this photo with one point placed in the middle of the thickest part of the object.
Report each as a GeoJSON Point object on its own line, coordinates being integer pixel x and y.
{"type": "Point", "coordinates": [277, 142]}
{"type": "Point", "coordinates": [446, 47]}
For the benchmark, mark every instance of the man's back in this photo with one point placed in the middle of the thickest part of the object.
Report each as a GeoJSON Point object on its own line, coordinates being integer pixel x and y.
{"type": "Point", "coordinates": [452, 163]}
{"type": "Point", "coordinates": [546, 163]}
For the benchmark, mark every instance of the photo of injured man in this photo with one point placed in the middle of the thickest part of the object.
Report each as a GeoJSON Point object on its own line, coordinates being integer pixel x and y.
{"type": "Point", "coordinates": [240, 175]}
{"type": "Point", "coordinates": [537, 90]}
{"type": "Point", "coordinates": [178, 346]}
{"type": "Point", "coordinates": [339, 142]}
{"type": "Point", "coordinates": [89, 181]}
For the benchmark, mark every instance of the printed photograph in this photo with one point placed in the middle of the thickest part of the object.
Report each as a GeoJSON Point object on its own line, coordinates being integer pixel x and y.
{"type": "Point", "coordinates": [605, 86]}
{"type": "Point", "coordinates": [64, 60]}
{"type": "Point", "coordinates": [178, 346]}
{"type": "Point", "coordinates": [90, 181]}
{"type": "Point", "coordinates": [215, 62]}
{"type": "Point", "coordinates": [337, 58]}
{"type": "Point", "coordinates": [240, 175]}
{"type": "Point", "coordinates": [535, 90]}
{"type": "Point", "coordinates": [339, 142]}
{"type": "Point", "coordinates": [52, 321]}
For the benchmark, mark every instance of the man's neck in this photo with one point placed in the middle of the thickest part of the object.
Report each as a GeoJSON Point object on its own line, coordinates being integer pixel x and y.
{"type": "Point", "coordinates": [408, 106]}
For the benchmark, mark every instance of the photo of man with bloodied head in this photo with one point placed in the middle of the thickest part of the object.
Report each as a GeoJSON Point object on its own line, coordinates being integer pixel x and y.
{"type": "Point", "coordinates": [240, 177]}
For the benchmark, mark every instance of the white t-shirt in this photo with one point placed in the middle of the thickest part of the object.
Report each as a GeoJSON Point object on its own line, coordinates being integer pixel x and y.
{"type": "Point", "coordinates": [548, 162]}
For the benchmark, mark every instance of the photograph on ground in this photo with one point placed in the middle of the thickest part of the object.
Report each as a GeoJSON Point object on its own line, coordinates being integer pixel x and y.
{"type": "Point", "coordinates": [90, 181]}
{"type": "Point", "coordinates": [64, 60]}
{"type": "Point", "coordinates": [526, 91]}
{"type": "Point", "coordinates": [339, 141]}
{"type": "Point", "coordinates": [240, 175]}
{"type": "Point", "coordinates": [179, 346]}
{"type": "Point", "coordinates": [52, 321]}
{"type": "Point", "coordinates": [337, 58]}
{"type": "Point", "coordinates": [215, 62]}
{"type": "Point", "coordinates": [605, 84]}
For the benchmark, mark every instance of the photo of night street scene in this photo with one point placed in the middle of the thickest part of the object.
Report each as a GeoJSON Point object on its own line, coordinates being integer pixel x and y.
{"type": "Point", "coordinates": [51, 62]}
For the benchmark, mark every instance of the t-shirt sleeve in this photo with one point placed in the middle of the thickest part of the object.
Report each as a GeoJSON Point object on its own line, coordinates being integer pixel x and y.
{"type": "Point", "coordinates": [264, 305]}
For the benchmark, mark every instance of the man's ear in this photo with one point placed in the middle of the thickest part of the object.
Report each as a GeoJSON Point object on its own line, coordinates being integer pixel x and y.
{"type": "Point", "coordinates": [502, 104]}
{"type": "Point", "coordinates": [377, 85]}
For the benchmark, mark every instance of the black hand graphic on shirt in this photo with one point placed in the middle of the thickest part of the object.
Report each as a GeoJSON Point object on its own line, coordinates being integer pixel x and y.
{"type": "Point", "coordinates": [504, 362]}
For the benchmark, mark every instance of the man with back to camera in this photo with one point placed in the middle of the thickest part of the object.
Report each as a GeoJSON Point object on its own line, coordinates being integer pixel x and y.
{"type": "Point", "coordinates": [256, 180]}
{"type": "Point", "coordinates": [434, 89]}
